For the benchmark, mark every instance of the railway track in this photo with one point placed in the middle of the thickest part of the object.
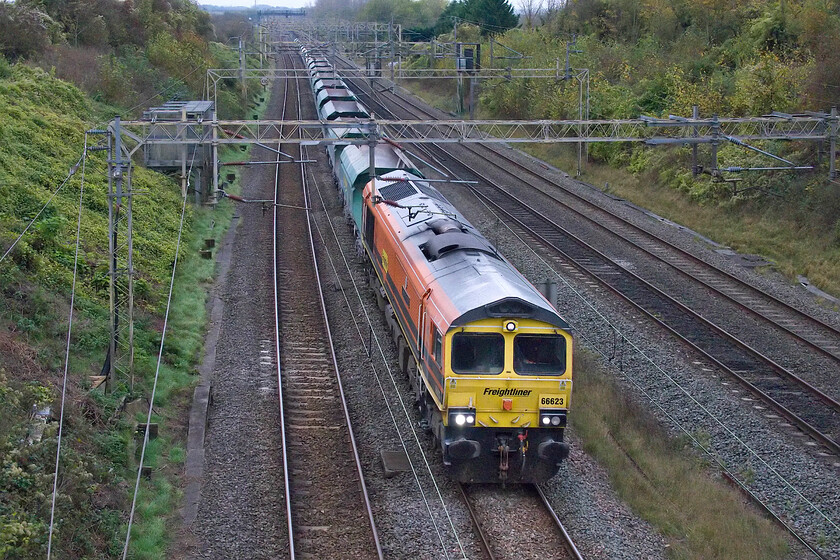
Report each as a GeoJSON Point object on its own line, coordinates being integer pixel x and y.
{"type": "Point", "coordinates": [779, 385]}
{"type": "Point", "coordinates": [806, 329]}
{"type": "Point", "coordinates": [327, 506]}
{"type": "Point", "coordinates": [810, 409]}
{"type": "Point", "coordinates": [535, 535]}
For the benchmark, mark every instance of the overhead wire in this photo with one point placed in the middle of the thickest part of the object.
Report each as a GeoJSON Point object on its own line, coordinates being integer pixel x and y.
{"type": "Point", "coordinates": [159, 360]}
{"type": "Point", "coordinates": [163, 334]}
{"type": "Point", "coordinates": [670, 378]}
{"type": "Point", "coordinates": [70, 174]}
{"type": "Point", "coordinates": [444, 547]}
{"type": "Point", "coordinates": [67, 353]}
{"type": "Point", "coordinates": [393, 381]}
{"type": "Point", "coordinates": [706, 412]}
{"type": "Point", "coordinates": [82, 162]}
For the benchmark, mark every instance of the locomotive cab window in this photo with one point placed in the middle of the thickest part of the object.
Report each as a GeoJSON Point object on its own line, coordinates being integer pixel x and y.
{"type": "Point", "coordinates": [478, 353]}
{"type": "Point", "coordinates": [539, 354]}
{"type": "Point", "coordinates": [438, 349]}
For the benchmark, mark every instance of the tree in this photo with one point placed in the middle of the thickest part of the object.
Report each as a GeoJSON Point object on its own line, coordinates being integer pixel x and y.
{"type": "Point", "coordinates": [531, 11]}
{"type": "Point", "coordinates": [493, 16]}
{"type": "Point", "coordinates": [455, 10]}
{"type": "Point", "coordinates": [23, 31]}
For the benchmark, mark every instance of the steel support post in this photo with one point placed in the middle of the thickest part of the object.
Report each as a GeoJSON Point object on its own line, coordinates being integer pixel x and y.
{"type": "Point", "coordinates": [472, 96]}
{"type": "Point", "coordinates": [695, 114]}
{"type": "Point", "coordinates": [182, 131]}
{"type": "Point", "coordinates": [580, 128]}
{"type": "Point", "coordinates": [118, 200]}
{"type": "Point", "coordinates": [391, 43]}
{"type": "Point", "coordinates": [832, 156]}
{"type": "Point", "coordinates": [242, 68]}
{"type": "Point", "coordinates": [112, 233]}
{"type": "Point", "coordinates": [129, 269]}
{"type": "Point", "coordinates": [373, 140]}
{"type": "Point", "coordinates": [715, 143]}
{"type": "Point", "coordinates": [120, 204]}
{"type": "Point", "coordinates": [215, 145]}
{"type": "Point", "coordinates": [492, 61]}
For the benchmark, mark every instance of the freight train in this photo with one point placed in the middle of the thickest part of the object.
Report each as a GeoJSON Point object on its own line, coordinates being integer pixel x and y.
{"type": "Point", "coordinates": [488, 358]}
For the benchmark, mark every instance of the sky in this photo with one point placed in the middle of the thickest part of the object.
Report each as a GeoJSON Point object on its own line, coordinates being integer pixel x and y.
{"type": "Point", "coordinates": [279, 3]}
{"type": "Point", "coordinates": [250, 4]}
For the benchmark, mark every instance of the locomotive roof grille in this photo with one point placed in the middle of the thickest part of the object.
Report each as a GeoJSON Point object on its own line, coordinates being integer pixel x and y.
{"type": "Point", "coordinates": [397, 191]}
{"type": "Point", "coordinates": [439, 245]}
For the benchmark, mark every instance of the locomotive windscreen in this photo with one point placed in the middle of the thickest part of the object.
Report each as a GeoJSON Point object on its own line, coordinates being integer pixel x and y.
{"type": "Point", "coordinates": [539, 354]}
{"type": "Point", "coordinates": [478, 353]}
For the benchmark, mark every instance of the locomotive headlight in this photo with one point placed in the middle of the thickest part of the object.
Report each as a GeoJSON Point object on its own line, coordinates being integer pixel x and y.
{"type": "Point", "coordinates": [553, 419]}
{"type": "Point", "coordinates": [464, 417]}
{"type": "Point", "coordinates": [510, 326]}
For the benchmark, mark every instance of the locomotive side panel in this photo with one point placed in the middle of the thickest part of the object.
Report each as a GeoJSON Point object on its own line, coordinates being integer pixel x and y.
{"type": "Point", "coordinates": [405, 291]}
{"type": "Point", "coordinates": [488, 358]}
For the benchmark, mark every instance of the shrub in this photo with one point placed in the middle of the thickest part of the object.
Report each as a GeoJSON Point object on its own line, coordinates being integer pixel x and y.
{"type": "Point", "coordinates": [23, 30]}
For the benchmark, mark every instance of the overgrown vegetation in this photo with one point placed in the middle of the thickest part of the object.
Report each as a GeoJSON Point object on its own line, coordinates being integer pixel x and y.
{"type": "Point", "coordinates": [42, 121]}
{"type": "Point", "coordinates": [699, 516]}
{"type": "Point", "coordinates": [130, 55]}
{"type": "Point", "coordinates": [661, 58]}
{"type": "Point", "coordinates": [423, 19]}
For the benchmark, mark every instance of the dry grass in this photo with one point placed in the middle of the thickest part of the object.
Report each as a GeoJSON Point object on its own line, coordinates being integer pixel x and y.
{"type": "Point", "coordinates": [700, 516]}
{"type": "Point", "coordinates": [437, 93]}
{"type": "Point", "coordinates": [659, 477]}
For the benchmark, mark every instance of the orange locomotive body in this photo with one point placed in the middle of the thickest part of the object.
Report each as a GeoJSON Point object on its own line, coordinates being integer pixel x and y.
{"type": "Point", "coordinates": [488, 358]}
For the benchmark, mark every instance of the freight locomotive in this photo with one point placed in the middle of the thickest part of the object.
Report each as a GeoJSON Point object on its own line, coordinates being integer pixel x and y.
{"type": "Point", "coordinates": [488, 358]}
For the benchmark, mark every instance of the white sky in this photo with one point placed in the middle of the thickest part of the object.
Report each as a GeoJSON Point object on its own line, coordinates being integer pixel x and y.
{"type": "Point", "coordinates": [284, 3]}
{"type": "Point", "coordinates": [250, 4]}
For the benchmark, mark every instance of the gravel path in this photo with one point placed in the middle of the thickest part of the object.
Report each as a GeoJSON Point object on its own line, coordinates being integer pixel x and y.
{"type": "Point", "coordinates": [241, 512]}
{"type": "Point", "coordinates": [418, 513]}
{"type": "Point", "coordinates": [408, 511]}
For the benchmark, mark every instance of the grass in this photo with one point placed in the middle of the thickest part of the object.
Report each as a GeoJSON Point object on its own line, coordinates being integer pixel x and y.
{"type": "Point", "coordinates": [437, 93]}
{"type": "Point", "coordinates": [794, 245]}
{"type": "Point", "coordinates": [658, 476]}
{"type": "Point", "coordinates": [662, 480]}
{"type": "Point", "coordinates": [159, 498]}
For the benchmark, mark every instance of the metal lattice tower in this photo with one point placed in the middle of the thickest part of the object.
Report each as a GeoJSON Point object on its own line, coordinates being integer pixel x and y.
{"type": "Point", "coordinates": [120, 362]}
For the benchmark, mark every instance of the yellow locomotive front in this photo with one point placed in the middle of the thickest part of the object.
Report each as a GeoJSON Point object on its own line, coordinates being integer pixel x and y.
{"type": "Point", "coordinates": [507, 390]}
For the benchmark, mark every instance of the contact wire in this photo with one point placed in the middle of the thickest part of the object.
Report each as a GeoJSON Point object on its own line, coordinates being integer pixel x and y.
{"type": "Point", "coordinates": [66, 351]}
